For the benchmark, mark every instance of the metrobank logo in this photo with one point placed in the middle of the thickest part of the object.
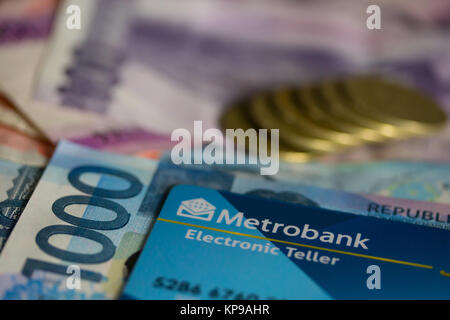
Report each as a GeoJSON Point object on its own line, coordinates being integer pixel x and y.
{"type": "Point", "coordinates": [197, 209]}
{"type": "Point", "coordinates": [201, 209]}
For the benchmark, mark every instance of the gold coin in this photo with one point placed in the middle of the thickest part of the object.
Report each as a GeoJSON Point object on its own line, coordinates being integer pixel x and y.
{"type": "Point", "coordinates": [319, 110]}
{"type": "Point", "coordinates": [237, 117]}
{"type": "Point", "coordinates": [302, 112]}
{"type": "Point", "coordinates": [261, 111]}
{"type": "Point", "coordinates": [351, 110]}
{"type": "Point", "coordinates": [329, 112]}
{"type": "Point", "coordinates": [400, 106]}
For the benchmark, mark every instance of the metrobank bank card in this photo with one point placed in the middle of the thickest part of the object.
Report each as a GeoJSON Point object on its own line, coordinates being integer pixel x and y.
{"type": "Point", "coordinates": [209, 244]}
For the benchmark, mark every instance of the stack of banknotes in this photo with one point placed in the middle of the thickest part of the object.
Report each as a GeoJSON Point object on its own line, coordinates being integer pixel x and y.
{"type": "Point", "coordinates": [93, 207]}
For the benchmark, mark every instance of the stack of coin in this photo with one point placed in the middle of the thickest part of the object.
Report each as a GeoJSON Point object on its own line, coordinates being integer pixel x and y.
{"type": "Point", "coordinates": [333, 115]}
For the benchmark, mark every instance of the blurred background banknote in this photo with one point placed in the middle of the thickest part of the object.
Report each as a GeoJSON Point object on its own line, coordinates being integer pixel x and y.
{"type": "Point", "coordinates": [20, 141]}
{"type": "Point", "coordinates": [25, 26]}
{"type": "Point", "coordinates": [188, 60]}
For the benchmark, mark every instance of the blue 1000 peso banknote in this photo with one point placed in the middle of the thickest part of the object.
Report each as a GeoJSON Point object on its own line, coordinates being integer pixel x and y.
{"type": "Point", "coordinates": [425, 181]}
{"type": "Point", "coordinates": [17, 182]}
{"type": "Point", "coordinates": [83, 216]}
{"type": "Point", "coordinates": [422, 181]}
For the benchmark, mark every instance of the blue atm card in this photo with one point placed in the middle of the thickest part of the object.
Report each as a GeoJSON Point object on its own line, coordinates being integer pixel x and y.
{"type": "Point", "coordinates": [209, 244]}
